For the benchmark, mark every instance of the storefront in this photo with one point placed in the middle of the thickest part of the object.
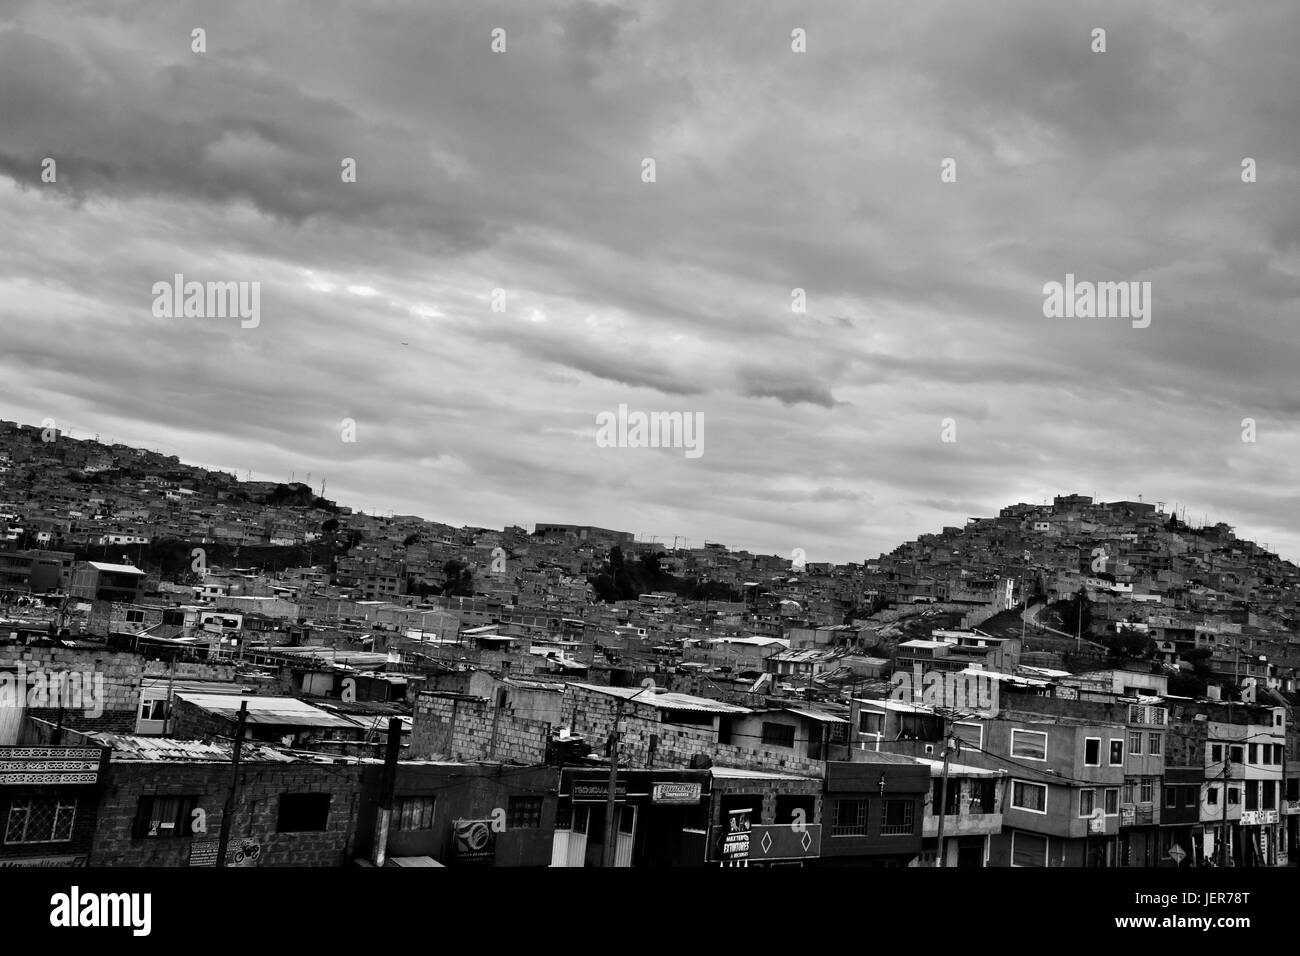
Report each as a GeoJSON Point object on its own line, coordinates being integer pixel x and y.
{"type": "Point", "coordinates": [656, 811]}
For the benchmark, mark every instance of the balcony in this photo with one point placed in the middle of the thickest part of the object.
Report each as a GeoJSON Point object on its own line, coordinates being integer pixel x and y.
{"type": "Point", "coordinates": [964, 824]}
{"type": "Point", "coordinates": [1137, 814]}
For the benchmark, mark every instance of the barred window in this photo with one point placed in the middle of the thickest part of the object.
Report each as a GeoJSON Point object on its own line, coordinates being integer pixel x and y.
{"type": "Point", "coordinates": [524, 813]}
{"type": "Point", "coordinates": [415, 813]}
{"type": "Point", "coordinates": [898, 819]}
{"type": "Point", "coordinates": [35, 820]}
{"type": "Point", "coordinates": [850, 818]}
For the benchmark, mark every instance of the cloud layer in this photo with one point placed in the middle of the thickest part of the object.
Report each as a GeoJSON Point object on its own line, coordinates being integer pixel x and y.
{"type": "Point", "coordinates": [775, 170]}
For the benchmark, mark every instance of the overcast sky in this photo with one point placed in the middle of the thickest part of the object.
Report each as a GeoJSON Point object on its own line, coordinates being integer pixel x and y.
{"type": "Point", "coordinates": [775, 170]}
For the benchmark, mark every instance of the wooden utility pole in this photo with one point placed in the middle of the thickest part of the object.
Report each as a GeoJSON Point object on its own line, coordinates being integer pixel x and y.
{"type": "Point", "coordinates": [943, 789]}
{"type": "Point", "coordinates": [229, 810]}
{"type": "Point", "coordinates": [171, 683]}
{"type": "Point", "coordinates": [611, 805]}
{"type": "Point", "coordinates": [1223, 837]}
{"type": "Point", "coordinates": [387, 784]}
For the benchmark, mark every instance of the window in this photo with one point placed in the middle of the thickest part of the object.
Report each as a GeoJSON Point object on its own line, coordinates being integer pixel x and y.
{"type": "Point", "coordinates": [1235, 754]}
{"type": "Point", "coordinates": [153, 708]}
{"type": "Point", "coordinates": [1171, 798]}
{"type": "Point", "coordinates": [570, 817]}
{"type": "Point", "coordinates": [1254, 753]}
{"type": "Point", "coordinates": [40, 820]}
{"type": "Point", "coordinates": [524, 813]}
{"type": "Point", "coordinates": [898, 819]}
{"type": "Point", "coordinates": [850, 818]}
{"type": "Point", "coordinates": [1092, 752]}
{"type": "Point", "coordinates": [414, 813]}
{"type": "Point", "coordinates": [1148, 790]}
{"type": "Point", "coordinates": [1267, 795]}
{"type": "Point", "coordinates": [1028, 849]}
{"type": "Point", "coordinates": [724, 729]}
{"type": "Point", "coordinates": [778, 735]}
{"type": "Point", "coordinates": [162, 817]}
{"type": "Point", "coordinates": [1212, 796]}
{"type": "Point", "coordinates": [1135, 743]}
{"type": "Point", "coordinates": [1112, 802]}
{"type": "Point", "coordinates": [1216, 753]}
{"type": "Point", "coordinates": [969, 734]}
{"type": "Point", "coordinates": [1293, 788]}
{"type": "Point", "coordinates": [1155, 745]}
{"type": "Point", "coordinates": [1130, 790]}
{"type": "Point", "coordinates": [302, 812]}
{"type": "Point", "coordinates": [1029, 744]}
{"type": "Point", "coordinates": [1116, 753]}
{"type": "Point", "coordinates": [1234, 796]}
{"type": "Point", "coordinates": [1087, 802]}
{"type": "Point", "coordinates": [1189, 796]}
{"type": "Point", "coordinates": [1029, 796]}
{"type": "Point", "coordinates": [135, 617]}
{"type": "Point", "coordinates": [870, 723]}
{"type": "Point", "coordinates": [1252, 795]}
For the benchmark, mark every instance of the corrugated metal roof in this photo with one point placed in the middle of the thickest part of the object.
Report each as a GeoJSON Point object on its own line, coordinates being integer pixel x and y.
{"type": "Point", "coordinates": [193, 686]}
{"type": "Point", "coordinates": [738, 773]}
{"type": "Point", "coordinates": [287, 711]}
{"type": "Point", "coordinates": [668, 700]}
{"type": "Point", "coordinates": [115, 568]}
{"type": "Point", "coordinates": [131, 747]}
{"type": "Point", "coordinates": [958, 769]}
{"type": "Point", "coordinates": [817, 715]}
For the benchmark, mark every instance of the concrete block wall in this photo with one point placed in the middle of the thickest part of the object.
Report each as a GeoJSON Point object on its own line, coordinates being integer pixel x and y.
{"type": "Point", "coordinates": [591, 714]}
{"type": "Point", "coordinates": [512, 664]}
{"type": "Point", "coordinates": [461, 727]}
{"type": "Point", "coordinates": [190, 722]}
{"type": "Point", "coordinates": [120, 670]}
{"type": "Point", "coordinates": [255, 817]}
{"type": "Point", "coordinates": [191, 670]}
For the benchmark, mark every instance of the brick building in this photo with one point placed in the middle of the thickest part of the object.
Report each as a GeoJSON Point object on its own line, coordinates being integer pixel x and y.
{"type": "Point", "coordinates": [165, 798]}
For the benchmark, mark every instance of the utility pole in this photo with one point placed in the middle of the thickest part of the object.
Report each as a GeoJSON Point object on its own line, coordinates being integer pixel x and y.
{"type": "Point", "coordinates": [1223, 837]}
{"type": "Point", "coordinates": [943, 787]}
{"type": "Point", "coordinates": [1078, 624]}
{"type": "Point", "coordinates": [611, 806]}
{"type": "Point", "coordinates": [386, 786]}
{"type": "Point", "coordinates": [611, 823]}
{"type": "Point", "coordinates": [498, 699]}
{"type": "Point", "coordinates": [171, 683]}
{"type": "Point", "coordinates": [229, 810]}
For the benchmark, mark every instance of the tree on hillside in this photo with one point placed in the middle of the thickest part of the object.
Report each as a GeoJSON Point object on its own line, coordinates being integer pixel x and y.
{"type": "Point", "coordinates": [1076, 615]}
{"type": "Point", "coordinates": [460, 579]}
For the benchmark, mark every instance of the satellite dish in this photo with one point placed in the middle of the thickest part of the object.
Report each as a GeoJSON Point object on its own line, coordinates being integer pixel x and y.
{"type": "Point", "coordinates": [649, 684]}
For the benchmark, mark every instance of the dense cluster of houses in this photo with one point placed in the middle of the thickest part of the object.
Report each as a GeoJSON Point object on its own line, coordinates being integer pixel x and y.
{"type": "Point", "coordinates": [440, 696]}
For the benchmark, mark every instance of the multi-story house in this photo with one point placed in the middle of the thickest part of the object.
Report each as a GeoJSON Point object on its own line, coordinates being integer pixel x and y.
{"type": "Point", "coordinates": [1065, 776]}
